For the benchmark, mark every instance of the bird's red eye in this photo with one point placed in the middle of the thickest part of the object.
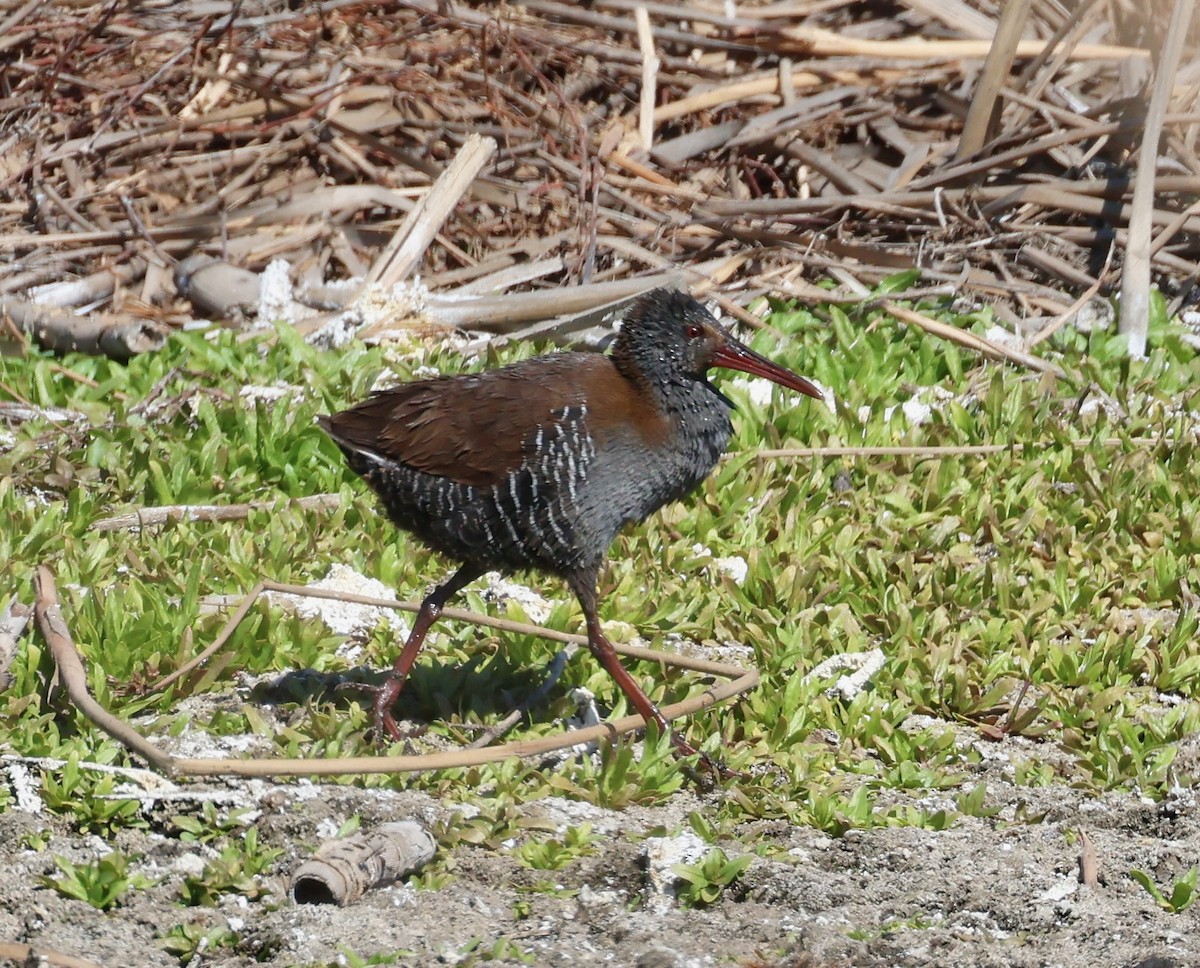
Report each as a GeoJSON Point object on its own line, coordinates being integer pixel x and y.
{"type": "Point", "coordinates": [693, 331]}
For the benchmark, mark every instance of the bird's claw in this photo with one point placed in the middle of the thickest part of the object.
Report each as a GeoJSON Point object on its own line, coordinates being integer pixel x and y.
{"type": "Point", "coordinates": [715, 769]}
{"type": "Point", "coordinates": [385, 727]}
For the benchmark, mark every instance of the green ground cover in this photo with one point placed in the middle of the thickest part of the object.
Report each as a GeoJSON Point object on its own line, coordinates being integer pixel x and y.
{"type": "Point", "coordinates": [1046, 590]}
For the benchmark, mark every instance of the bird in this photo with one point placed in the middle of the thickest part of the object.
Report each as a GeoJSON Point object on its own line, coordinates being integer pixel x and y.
{"type": "Point", "coordinates": [539, 464]}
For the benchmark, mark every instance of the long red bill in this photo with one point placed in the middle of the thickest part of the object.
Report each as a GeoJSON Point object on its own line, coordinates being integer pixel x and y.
{"type": "Point", "coordinates": [733, 355]}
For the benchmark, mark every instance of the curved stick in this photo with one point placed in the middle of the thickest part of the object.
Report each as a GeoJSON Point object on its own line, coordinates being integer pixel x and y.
{"type": "Point", "coordinates": [74, 679]}
{"type": "Point", "coordinates": [71, 669]}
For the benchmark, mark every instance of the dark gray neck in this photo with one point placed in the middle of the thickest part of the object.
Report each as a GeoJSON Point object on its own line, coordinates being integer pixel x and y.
{"type": "Point", "coordinates": [699, 415]}
{"type": "Point", "coordinates": [701, 430]}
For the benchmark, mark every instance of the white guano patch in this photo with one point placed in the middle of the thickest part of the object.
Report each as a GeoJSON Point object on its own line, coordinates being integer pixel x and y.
{"type": "Point", "coordinates": [350, 619]}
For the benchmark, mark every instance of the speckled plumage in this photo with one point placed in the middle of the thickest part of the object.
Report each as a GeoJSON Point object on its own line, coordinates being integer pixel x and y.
{"type": "Point", "coordinates": [541, 463]}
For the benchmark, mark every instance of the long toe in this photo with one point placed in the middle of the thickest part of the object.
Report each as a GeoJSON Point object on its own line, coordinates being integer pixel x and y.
{"type": "Point", "coordinates": [715, 768]}
{"type": "Point", "coordinates": [386, 729]}
{"type": "Point", "coordinates": [384, 724]}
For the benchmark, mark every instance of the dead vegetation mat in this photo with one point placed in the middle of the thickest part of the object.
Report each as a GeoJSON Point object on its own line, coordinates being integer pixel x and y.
{"type": "Point", "coordinates": [747, 148]}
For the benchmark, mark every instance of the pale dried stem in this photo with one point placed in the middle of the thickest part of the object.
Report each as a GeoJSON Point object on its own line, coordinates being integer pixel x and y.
{"type": "Point", "coordinates": [1015, 448]}
{"type": "Point", "coordinates": [650, 65]}
{"type": "Point", "coordinates": [158, 516]}
{"type": "Point", "coordinates": [1135, 278]}
{"type": "Point", "coordinates": [996, 68]}
{"type": "Point", "coordinates": [74, 679]}
{"type": "Point", "coordinates": [775, 140]}
{"type": "Point", "coordinates": [398, 261]}
{"type": "Point", "coordinates": [962, 337]}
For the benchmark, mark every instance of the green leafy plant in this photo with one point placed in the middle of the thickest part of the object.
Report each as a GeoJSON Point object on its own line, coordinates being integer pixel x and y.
{"type": "Point", "coordinates": [86, 796]}
{"type": "Point", "coordinates": [552, 855]}
{"type": "Point", "coordinates": [188, 940]}
{"type": "Point", "coordinates": [433, 877]}
{"type": "Point", "coordinates": [478, 951]}
{"type": "Point", "coordinates": [36, 840]}
{"type": "Point", "coordinates": [523, 906]}
{"type": "Point", "coordinates": [350, 959]}
{"type": "Point", "coordinates": [1013, 591]}
{"type": "Point", "coordinates": [918, 922]}
{"type": "Point", "coordinates": [101, 883]}
{"type": "Point", "coordinates": [488, 826]}
{"type": "Point", "coordinates": [1183, 891]}
{"type": "Point", "coordinates": [625, 777]}
{"type": "Point", "coordinates": [700, 884]}
{"type": "Point", "coordinates": [209, 825]}
{"type": "Point", "coordinates": [971, 802]}
{"type": "Point", "coordinates": [236, 871]}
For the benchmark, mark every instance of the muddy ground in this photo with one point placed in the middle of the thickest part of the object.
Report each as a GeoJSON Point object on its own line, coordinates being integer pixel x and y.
{"type": "Point", "coordinates": [1001, 892]}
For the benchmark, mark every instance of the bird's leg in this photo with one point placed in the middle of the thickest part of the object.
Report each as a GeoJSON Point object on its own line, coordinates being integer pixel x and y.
{"type": "Point", "coordinates": [431, 608]}
{"type": "Point", "coordinates": [584, 586]}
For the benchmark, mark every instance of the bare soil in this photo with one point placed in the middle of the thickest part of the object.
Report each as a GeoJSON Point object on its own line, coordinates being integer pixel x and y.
{"type": "Point", "coordinates": [1001, 892]}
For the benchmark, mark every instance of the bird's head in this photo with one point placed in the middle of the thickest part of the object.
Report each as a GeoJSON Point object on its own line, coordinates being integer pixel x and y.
{"type": "Point", "coordinates": [669, 337]}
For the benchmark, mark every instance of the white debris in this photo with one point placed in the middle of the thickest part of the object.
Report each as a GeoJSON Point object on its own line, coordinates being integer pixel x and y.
{"type": "Point", "coordinates": [266, 394]}
{"type": "Point", "coordinates": [758, 391]}
{"type": "Point", "coordinates": [828, 397]}
{"type": "Point", "coordinates": [467, 811]}
{"type": "Point", "coordinates": [189, 865]}
{"type": "Point", "coordinates": [586, 714]}
{"type": "Point", "coordinates": [386, 379]}
{"type": "Point", "coordinates": [1099, 314]}
{"type": "Point", "coordinates": [917, 409]}
{"type": "Point", "coordinates": [346, 618]}
{"type": "Point", "coordinates": [1100, 401]}
{"type": "Point", "coordinates": [402, 305]}
{"type": "Point", "coordinates": [1063, 889]}
{"type": "Point", "coordinates": [276, 302]}
{"type": "Point", "coordinates": [328, 828]}
{"type": "Point", "coordinates": [306, 790]}
{"type": "Point", "coordinates": [196, 745]}
{"type": "Point", "coordinates": [339, 331]}
{"type": "Point", "coordinates": [274, 293]}
{"type": "Point", "coordinates": [662, 854]}
{"type": "Point", "coordinates": [916, 412]}
{"type": "Point", "coordinates": [864, 664]}
{"type": "Point", "coordinates": [603, 899]}
{"type": "Point", "coordinates": [1002, 337]}
{"type": "Point", "coordinates": [569, 814]}
{"type": "Point", "coordinates": [734, 653]}
{"type": "Point", "coordinates": [734, 567]}
{"type": "Point", "coordinates": [25, 789]}
{"type": "Point", "coordinates": [499, 590]}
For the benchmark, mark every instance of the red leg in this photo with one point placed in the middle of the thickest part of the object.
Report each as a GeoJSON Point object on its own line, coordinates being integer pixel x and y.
{"type": "Point", "coordinates": [584, 586]}
{"type": "Point", "coordinates": [431, 608]}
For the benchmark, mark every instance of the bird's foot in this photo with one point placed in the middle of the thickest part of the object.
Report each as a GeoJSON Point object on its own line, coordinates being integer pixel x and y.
{"type": "Point", "coordinates": [714, 769]}
{"type": "Point", "coordinates": [385, 727]}
{"type": "Point", "coordinates": [387, 731]}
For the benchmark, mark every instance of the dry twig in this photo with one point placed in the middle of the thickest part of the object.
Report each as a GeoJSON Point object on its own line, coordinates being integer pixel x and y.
{"type": "Point", "coordinates": [778, 139]}
{"type": "Point", "coordinates": [157, 516]}
{"type": "Point", "coordinates": [1135, 279]}
{"type": "Point", "coordinates": [71, 670]}
{"type": "Point", "coordinates": [74, 678]}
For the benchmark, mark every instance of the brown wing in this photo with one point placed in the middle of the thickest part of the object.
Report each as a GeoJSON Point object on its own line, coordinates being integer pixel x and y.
{"type": "Point", "coordinates": [475, 428]}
